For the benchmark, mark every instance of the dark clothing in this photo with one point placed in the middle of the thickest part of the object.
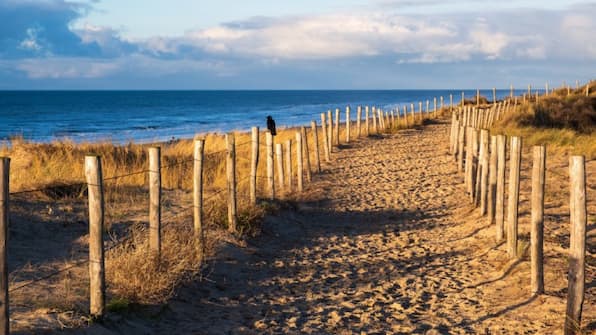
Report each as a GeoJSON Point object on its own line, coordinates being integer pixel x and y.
{"type": "Point", "coordinates": [271, 125]}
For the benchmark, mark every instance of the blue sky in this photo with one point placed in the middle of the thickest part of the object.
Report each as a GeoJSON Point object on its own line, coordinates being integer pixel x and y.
{"type": "Point", "coordinates": [307, 44]}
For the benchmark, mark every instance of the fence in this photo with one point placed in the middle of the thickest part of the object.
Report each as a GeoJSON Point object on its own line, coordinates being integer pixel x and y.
{"type": "Point", "coordinates": [481, 157]}
{"type": "Point", "coordinates": [290, 161]}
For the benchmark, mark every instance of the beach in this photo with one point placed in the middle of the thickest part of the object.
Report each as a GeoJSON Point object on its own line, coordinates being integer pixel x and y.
{"type": "Point", "coordinates": [382, 242]}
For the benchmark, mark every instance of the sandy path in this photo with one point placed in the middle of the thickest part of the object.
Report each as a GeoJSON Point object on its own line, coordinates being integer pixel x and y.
{"type": "Point", "coordinates": [391, 246]}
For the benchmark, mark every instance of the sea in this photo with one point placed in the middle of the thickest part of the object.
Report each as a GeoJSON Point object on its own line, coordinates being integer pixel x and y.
{"type": "Point", "coordinates": [122, 117]}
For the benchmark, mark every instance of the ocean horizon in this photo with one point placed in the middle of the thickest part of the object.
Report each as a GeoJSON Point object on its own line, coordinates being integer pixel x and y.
{"type": "Point", "coordinates": [141, 116]}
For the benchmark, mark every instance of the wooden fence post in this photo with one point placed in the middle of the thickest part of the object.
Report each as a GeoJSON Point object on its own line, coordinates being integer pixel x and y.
{"type": "Point", "coordinates": [325, 139]}
{"type": "Point", "coordinates": [412, 112]}
{"type": "Point", "coordinates": [279, 157]}
{"type": "Point", "coordinates": [336, 136]}
{"type": "Point", "coordinates": [374, 120]}
{"type": "Point", "coordinates": [427, 107]}
{"type": "Point", "coordinates": [348, 124]}
{"type": "Point", "coordinates": [450, 102]}
{"type": "Point", "coordinates": [299, 163]}
{"type": "Point", "coordinates": [306, 155]}
{"type": "Point", "coordinates": [289, 173]}
{"type": "Point", "coordinates": [494, 95]}
{"type": "Point", "coordinates": [500, 197]}
{"type": "Point", "coordinates": [270, 178]}
{"type": "Point", "coordinates": [484, 157]}
{"type": "Point", "coordinates": [359, 121]}
{"type": "Point", "coordinates": [452, 133]}
{"type": "Point", "coordinates": [442, 105]}
{"type": "Point", "coordinates": [155, 200]}
{"type": "Point", "coordinates": [4, 215]}
{"type": "Point", "coordinates": [492, 180]}
{"type": "Point", "coordinates": [477, 97]}
{"type": "Point", "coordinates": [577, 244]}
{"type": "Point", "coordinates": [469, 158]}
{"type": "Point", "coordinates": [420, 110]}
{"type": "Point", "coordinates": [330, 131]}
{"type": "Point", "coordinates": [315, 139]}
{"type": "Point", "coordinates": [197, 196]}
{"type": "Point", "coordinates": [231, 172]}
{"type": "Point", "coordinates": [97, 280]}
{"type": "Point", "coordinates": [513, 196]}
{"type": "Point", "coordinates": [254, 164]}
{"type": "Point", "coordinates": [537, 230]}
{"type": "Point", "coordinates": [435, 106]}
{"type": "Point", "coordinates": [463, 99]}
{"type": "Point", "coordinates": [366, 124]}
{"type": "Point", "coordinates": [461, 135]}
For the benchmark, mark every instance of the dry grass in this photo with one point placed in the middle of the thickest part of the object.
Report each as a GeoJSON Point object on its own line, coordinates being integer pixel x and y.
{"type": "Point", "coordinates": [563, 123]}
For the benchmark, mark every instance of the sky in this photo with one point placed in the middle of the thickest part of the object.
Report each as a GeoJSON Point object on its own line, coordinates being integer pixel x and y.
{"type": "Point", "coordinates": [307, 44]}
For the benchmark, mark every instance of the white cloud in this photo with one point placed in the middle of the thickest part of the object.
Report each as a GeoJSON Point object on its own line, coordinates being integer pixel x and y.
{"type": "Point", "coordinates": [30, 43]}
{"type": "Point", "coordinates": [66, 68]}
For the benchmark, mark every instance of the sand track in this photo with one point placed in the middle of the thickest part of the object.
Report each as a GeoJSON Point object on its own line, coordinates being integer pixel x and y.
{"type": "Point", "coordinates": [390, 246]}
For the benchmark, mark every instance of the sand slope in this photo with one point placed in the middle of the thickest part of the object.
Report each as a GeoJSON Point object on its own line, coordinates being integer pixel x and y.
{"type": "Point", "coordinates": [389, 245]}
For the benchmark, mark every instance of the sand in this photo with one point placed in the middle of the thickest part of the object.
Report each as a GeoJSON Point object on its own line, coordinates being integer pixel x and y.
{"type": "Point", "coordinates": [384, 242]}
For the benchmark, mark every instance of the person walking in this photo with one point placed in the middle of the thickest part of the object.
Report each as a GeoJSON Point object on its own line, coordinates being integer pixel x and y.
{"type": "Point", "coordinates": [271, 125]}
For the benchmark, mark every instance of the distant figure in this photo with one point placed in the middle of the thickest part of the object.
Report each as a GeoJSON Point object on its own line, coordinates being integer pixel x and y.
{"type": "Point", "coordinates": [271, 125]}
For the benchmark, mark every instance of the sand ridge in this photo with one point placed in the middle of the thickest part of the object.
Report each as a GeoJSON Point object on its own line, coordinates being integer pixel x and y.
{"type": "Point", "coordinates": [389, 246]}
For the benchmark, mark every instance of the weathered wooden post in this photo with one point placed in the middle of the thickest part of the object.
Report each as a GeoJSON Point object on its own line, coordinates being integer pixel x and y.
{"type": "Point", "coordinates": [155, 200]}
{"type": "Point", "coordinates": [412, 112]}
{"type": "Point", "coordinates": [289, 172]}
{"type": "Point", "coordinates": [442, 105]}
{"type": "Point", "coordinates": [270, 178]}
{"type": "Point", "coordinates": [366, 124]}
{"type": "Point", "coordinates": [4, 215]}
{"type": "Point", "coordinates": [452, 134]}
{"type": "Point", "coordinates": [451, 102]}
{"type": "Point", "coordinates": [435, 106]}
{"type": "Point", "coordinates": [279, 157]}
{"type": "Point", "coordinates": [494, 95]}
{"type": "Point", "coordinates": [97, 280]}
{"type": "Point", "coordinates": [469, 158]}
{"type": "Point", "coordinates": [330, 131]}
{"type": "Point", "coordinates": [420, 110]}
{"type": "Point", "coordinates": [463, 99]}
{"type": "Point", "coordinates": [546, 92]}
{"type": "Point", "coordinates": [197, 196]}
{"type": "Point", "coordinates": [325, 139]}
{"type": "Point", "coordinates": [306, 155]}
{"type": "Point", "coordinates": [427, 107]}
{"type": "Point", "coordinates": [348, 124]}
{"type": "Point", "coordinates": [577, 244]}
{"type": "Point", "coordinates": [315, 139]}
{"type": "Point", "coordinates": [537, 230]}
{"type": "Point", "coordinates": [492, 180]}
{"type": "Point", "coordinates": [254, 164]}
{"type": "Point", "coordinates": [484, 157]}
{"type": "Point", "coordinates": [513, 196]}
{"type": "Point", "coordinates": [359, 120]}
{"type": "Point", "coordinates": [511, 91]}
{"type": "Point", "coordinates": [299, 163]}
{"type": "Point", "coordinates": [406, 115]}
{"type": "Point", "coordinates": [336, 136]}
{"type": "Point", "coordinates": [231, 178]}
{"type": "Point", "coordinates": [588, 89]}
{"type": "Point", "coordinates": [477, 97]}
{"type": "Point", "coordinates": [461, 135]}
{"type": "Point", "coordinates": [374, 120]}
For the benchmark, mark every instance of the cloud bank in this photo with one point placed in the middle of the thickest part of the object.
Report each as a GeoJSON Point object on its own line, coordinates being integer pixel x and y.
{"type": "Point", "coordinates": [39, 41]}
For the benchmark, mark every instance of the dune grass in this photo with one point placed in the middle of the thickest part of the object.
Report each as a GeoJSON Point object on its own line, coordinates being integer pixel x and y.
{"type": "Point", "coordinates": [565, 123]}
